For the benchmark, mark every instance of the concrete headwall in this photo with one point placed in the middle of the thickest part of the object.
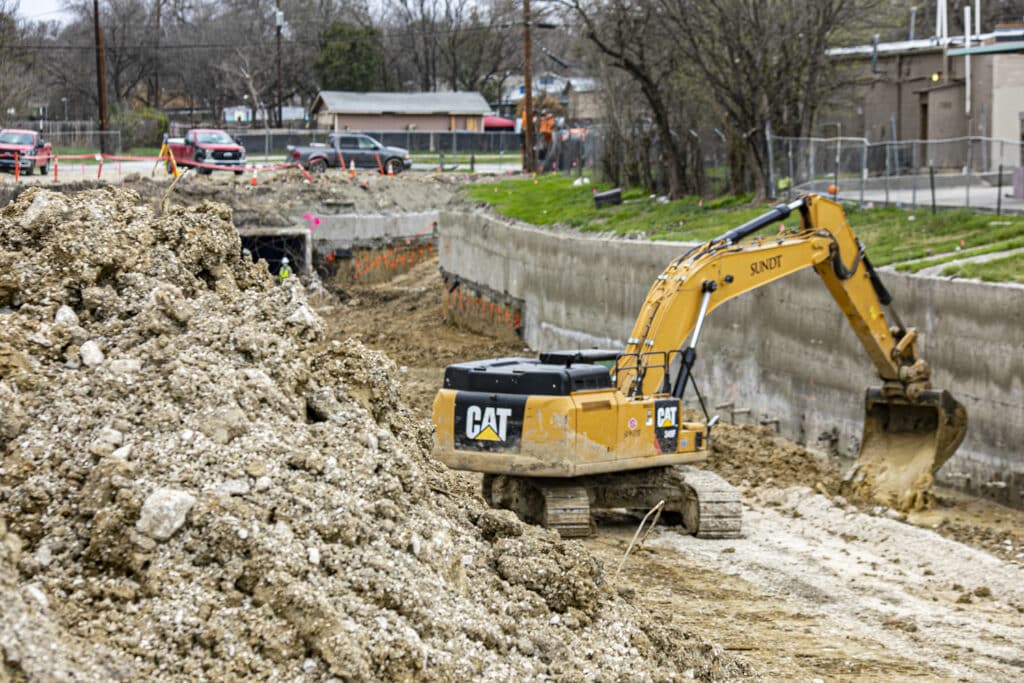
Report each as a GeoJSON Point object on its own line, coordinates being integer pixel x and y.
{"type": "Point", "coordinates": [785, 351]}
{"type": "Point", "coordinates": [347, 230]}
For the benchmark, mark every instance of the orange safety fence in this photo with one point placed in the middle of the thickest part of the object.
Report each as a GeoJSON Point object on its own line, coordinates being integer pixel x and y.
{"type": "Point", "coordinates": [479, 306]}
{"type": "Point", "coordinates": [406, 254]}
{"type": "Point", "coordinates": [100, 158]}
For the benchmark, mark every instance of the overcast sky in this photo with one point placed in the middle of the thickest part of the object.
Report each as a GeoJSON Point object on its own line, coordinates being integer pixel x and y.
{"type": "Point", "coordinates": [42, 10]}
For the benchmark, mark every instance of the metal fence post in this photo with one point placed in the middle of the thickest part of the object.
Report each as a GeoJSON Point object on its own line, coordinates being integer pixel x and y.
{"type": "Point", "coordinates": [792, 179]}
{"type": "Point", "coordinates": [999, 192]}
{"type": "Point", "coordinates": [913, 174]}
{"type": "Point", "coordinates": [888, 170]}
{"type": "Point", "coordinates": [771, 159]}
{"type": "Point", "coordinates": [970, 150]}
{"type": "Point", "coordinates": [814, 171]}
{"type": "Point", "coordinates": [863, 168]}
{"type": "Point", "coordinates": [931, 176]}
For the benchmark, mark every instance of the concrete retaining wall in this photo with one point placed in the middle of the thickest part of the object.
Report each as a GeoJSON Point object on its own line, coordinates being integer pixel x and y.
{"type": "Point", "coordinates": [784, 351]}
{"type": "Point", "coordinates": [348, 230]}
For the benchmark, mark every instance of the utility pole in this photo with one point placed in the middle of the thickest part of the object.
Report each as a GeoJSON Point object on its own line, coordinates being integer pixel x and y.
{"type": "Point", "coordinates": [529, 162]}
{"type": "Point", "coordinates": [279, 18]}
{"type": "Point", "coordinates": [101, 73]}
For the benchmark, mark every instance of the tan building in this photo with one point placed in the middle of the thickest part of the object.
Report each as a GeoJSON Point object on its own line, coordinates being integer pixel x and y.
{"type": "Point", "coordinates": [582, 100]}
{"type": "Point", "coordinates": [422, 111]}
{"type": "Point", "coordinates": [919, 90]}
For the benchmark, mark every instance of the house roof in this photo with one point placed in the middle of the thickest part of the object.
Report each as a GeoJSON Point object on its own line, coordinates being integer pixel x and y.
{"type": "Point", "coordinates": [341, 102]}
{"type": "Point", "coordinates": [1016, 46]}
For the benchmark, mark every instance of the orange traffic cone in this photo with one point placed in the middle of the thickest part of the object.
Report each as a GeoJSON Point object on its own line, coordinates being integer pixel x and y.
{"type": "Point", "coordinates": [254, 182]}
{"type": "Point", "coordinates": [352, 169]}
{"type": "Point", "coordinates": [391, 171]}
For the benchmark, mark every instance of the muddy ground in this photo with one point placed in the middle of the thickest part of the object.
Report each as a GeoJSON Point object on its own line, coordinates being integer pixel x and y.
{"type": "Point", "coordinates": [819, 588]}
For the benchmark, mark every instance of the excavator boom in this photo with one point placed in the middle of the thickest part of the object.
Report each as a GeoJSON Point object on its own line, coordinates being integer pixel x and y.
{"type": "Point", "coordinates": [910, 429]}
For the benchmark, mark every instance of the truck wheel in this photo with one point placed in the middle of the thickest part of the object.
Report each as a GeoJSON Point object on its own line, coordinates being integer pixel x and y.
{"type": "Point", "coordinates": [44, 169]}
{"type": "Point", "coordinates": [318, 166]}
{"type": "Point", "coordinates": [394, 166]}
{"type": "Point", "coordinates": [204, 171]}
{"type": "Point", "coordinates": [239, 172]}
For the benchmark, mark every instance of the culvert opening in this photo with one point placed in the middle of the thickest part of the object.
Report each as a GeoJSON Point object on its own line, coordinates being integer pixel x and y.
{"type": "Point", "coordinates": [274, 247]}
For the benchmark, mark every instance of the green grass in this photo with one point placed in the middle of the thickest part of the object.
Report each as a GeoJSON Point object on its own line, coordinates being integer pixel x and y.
{"type": "Point", "coordinates": [1007, 269]}
{"type": "Point", "coordinates": [551, 199]}
{"type": "Point", "coordinates": [891, 235]}
{"type": "Point", "coordinates": [918, 266]}
{"type": "Point", "coordinates": [462, 158]}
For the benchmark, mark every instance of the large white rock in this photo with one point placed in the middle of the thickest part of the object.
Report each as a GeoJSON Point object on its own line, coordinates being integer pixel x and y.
{"type": "Point", "coordinates": [66, 316]}
{"type": "Point", "coordinates": [91, 353]}
{"type": "Point", "coordinates": [164, 512]}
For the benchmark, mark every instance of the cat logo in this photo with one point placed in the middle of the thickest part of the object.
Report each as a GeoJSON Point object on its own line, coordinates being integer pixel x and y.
{"type": "Point", "coordinates": [667, 416]}
{"type": "Point", "coordinates": [666, 425]}
{"type": "Point", "coordinates": [487, 423]}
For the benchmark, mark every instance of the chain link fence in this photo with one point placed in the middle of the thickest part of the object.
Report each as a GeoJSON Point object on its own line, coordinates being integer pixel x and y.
{"type": "Point", "coordinates": [969, 171]}
{"type": "Point", "coordinates": [72, 137]}
{"type": "Point", "coordinates": [275, 141]}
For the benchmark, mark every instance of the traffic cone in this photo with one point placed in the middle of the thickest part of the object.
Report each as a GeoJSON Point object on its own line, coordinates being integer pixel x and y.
{"type": "Point", "coordinates": [254, 182]}
{"type": "Point", "coordinates": [391, 171]}
{"type": "Point", "coordinates": [352, 169]}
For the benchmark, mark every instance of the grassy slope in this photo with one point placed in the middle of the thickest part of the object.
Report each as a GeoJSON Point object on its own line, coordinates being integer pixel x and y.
{"type": "Point", "coordinates": [891, 235]}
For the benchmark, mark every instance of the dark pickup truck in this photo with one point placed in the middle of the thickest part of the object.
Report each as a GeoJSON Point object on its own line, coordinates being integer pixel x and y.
{"type": "Point", "coordinates": [342, 149]}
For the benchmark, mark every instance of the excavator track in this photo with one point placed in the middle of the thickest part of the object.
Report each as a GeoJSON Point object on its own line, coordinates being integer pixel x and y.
{"type": "Point", "coordinates": [711, 506]}
{"type": "Point", "coordinates": [708, 505]}
{"type": "Point", "coordinates": [562, 505]}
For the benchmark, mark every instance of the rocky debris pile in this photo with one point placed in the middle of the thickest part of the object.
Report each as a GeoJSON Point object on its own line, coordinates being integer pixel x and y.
{"type": "Point", "coordinates": [196, 485]}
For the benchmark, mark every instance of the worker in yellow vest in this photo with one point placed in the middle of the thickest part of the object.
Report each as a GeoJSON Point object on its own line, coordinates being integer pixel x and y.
{"type": "Point", "coordinates": [285, 271]}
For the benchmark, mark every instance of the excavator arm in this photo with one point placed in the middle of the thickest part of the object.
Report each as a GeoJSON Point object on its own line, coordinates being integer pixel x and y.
{"type": "Point", "coordinates": [910, 430]}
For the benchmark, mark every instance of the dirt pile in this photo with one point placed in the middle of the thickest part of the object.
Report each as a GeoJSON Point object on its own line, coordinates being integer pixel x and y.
{"type": "Point", "coordinates": [195, 485]}
{"type": "Point", "coordinates": [754, 456]}
{"type": "Point", "coordinates": [280, 198]}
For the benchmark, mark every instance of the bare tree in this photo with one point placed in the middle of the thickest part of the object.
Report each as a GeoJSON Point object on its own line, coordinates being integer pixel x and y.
{"type": "Point", "coordinates": [764, 62]}
{"type": "Point", "coordinates": [633, 38]}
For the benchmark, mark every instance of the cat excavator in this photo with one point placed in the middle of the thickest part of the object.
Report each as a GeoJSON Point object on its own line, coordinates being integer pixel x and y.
{"type": "Point", "coordinates": [573, 431]}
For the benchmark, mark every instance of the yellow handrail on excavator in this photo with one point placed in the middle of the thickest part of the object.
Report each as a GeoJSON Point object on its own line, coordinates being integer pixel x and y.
{"type": "Point", "coordinates": [910, 429]}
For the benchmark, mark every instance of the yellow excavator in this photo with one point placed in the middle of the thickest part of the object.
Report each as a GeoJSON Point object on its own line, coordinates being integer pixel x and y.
{"type": "Point", "coordinates": [571, 431]}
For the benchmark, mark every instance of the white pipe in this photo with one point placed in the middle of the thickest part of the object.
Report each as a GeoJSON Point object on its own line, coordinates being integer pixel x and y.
{"type": "Point", "coordinates": [938, 18]}
{"type": "Point", "coordinates": [977, 18]}
{"type": "Point", "coordinates": [967, 62]}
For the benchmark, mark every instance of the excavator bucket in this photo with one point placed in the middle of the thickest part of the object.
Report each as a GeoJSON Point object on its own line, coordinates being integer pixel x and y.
{"type": "Point", "coordinates": [904, 443]}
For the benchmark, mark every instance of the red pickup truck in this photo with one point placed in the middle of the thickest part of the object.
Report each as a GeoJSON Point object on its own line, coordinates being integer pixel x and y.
{"type": "Point", "coordinates": [207, 146]}
{"type": "Point", "coordinates": [28, 146]}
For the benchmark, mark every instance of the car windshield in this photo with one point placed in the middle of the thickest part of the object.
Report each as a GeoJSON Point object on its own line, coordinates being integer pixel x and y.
{"type": "Point", "coordinates": [16, 138]}
{"type": "Point", "coordinates": [215, 137]}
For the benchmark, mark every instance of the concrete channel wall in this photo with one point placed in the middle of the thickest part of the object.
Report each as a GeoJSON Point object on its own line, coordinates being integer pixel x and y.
{"type": "Point", "coordinates": [784, 351]}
